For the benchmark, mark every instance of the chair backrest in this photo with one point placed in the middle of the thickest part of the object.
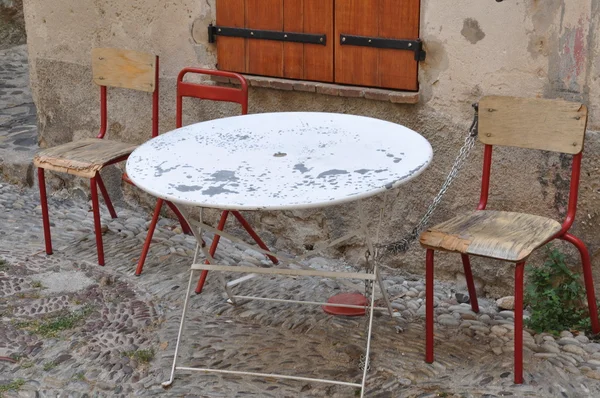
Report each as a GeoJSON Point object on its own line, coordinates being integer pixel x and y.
{"type": "Point", "coordinates": [113, 67]}
{"type": "Point", "coordinates": [551, 125]}
{"type": "Point", "coordinates": [210, 92]}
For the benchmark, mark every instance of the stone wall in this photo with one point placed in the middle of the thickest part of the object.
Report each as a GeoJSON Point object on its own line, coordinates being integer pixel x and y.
{"type": "Point", "coordinates": [12, 24]}
{"type": "Point", "coordinates": [528, 48]}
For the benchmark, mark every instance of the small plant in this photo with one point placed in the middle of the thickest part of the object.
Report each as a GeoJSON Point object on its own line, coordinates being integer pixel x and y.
{"type": "Point", "coordinates": [27, 365]}
{"type": "Point", "coordinates": [79, 376]}
{"type": "Point", "coordinates": [142, 356]}
{"type": "Point", "coordinates": [556, 296]}
{"type": "Point", "coordinates": [52, 327]}
{"type": "Point", "coordinates": [3, 265]}
{"type": "Point", "coordinates": [15, 385]}
{"type": "Point", "coordinates": [37, 285]}
{"type": "Point", "coordinates": [49, 366]}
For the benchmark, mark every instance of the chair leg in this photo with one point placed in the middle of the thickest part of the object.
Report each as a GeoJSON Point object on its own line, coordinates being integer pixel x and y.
{"type": "Point", "coordinates": [107, 200]}
{"type": "Point", "coordinates": [45, 215]}
{"type": "Point", "coordinates": [254, 235]}
{"type": "Point", "coordinates": [587, 277]}
{"type": "Point", "coordinates": [184, 225]}
{"type": "Point", "coordinates": [519, 270]}
{"type": "Point", "coordinates": [470, 284]}
{"type": "Point", "coordinates": [151, 228]}
{"type": "Point", "coordinates": [429, 306]}
{"type": "Point", "coordinates": [212, 251]}
{"type": "Point", "coordinates": [97, 224]}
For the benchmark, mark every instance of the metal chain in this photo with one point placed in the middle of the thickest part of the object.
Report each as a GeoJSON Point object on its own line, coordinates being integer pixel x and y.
{"type": "Point", "coordinates": [402, 246]}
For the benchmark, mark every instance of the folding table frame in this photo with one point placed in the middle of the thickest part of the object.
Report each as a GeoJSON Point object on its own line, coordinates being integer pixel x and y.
{"type": "Point", "coordinates": [371, 275]}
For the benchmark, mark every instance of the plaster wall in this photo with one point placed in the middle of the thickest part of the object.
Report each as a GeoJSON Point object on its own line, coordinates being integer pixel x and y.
{"type": "Point", "coordinates": [529, 48]}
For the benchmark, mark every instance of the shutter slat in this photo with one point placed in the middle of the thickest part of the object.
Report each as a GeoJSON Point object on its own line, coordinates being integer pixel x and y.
{"type": "Point", "coordinates": [264, 57]}
{"type": "Point", "coordinates": [231, 51]}
{"type": "Point", "coordinates": [293, 53]}
{"type": "Point", "coordinates": [318, 60]}
{"type": "Point", "coordinates": [398, 19]}
{"type": "Point", "coordinates": [375, 67]}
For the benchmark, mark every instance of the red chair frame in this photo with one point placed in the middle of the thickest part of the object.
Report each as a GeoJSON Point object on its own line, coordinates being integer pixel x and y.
{"type": "Point", "coordinates": [563, 234]}
{"type": "Point", "coordinates": [96, 181]}
{"type": "Point", "coordinates": [212, 93]}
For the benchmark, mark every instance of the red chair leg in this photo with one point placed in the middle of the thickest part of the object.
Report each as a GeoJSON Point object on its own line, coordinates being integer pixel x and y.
{"type": "Point", "coordinates": [45, 215]}
{"type": "Point", "coordinates": [97, 224]}
{"type": "Point", "coordinates": [429, 306]}
{"type": "Point", "coordinates": [587, 277]}
{"type": "Point", "coordinates": [109, 204]}
{"type": "Point", "coordinates": [151, 228]}
{"type": "Point", "coordinates": [519, 270]}
{"type": "Point", "coordinates": [254, 235]}
{"type": "Point", "coordinates": [212, 250]}
{"type": "Point", "coordinates": [470, 284]}
{"type": "Point", "coordinates": [184, 225]}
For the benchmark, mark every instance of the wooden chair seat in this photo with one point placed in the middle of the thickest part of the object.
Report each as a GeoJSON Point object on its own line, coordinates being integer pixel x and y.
{"type": "Point", "coordinates": [501, 235]}
{"type": "Point", "coordinates": [82, 158]}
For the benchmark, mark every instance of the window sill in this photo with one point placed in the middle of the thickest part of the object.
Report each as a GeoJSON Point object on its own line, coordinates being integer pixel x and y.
{"type": "Point", "coordinates": [336, 90]}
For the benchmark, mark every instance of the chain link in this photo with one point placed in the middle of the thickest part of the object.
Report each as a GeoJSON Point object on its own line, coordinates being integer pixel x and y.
{"type": "Point", "coordinates": [401, 246]}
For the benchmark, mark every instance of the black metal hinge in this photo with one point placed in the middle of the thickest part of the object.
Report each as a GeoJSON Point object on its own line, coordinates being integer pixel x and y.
{"type": "Point", "coordinates": [307, 38]}
{"type": "Point", "coordinates": [379, 42]}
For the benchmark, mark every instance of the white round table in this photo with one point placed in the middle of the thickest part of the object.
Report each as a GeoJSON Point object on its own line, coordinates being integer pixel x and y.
{"type": "Point", "coordinates": [278, 161]}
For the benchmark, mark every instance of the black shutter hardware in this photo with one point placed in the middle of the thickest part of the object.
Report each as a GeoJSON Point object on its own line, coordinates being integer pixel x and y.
{"type": "Point", "coordinates": [308, 38]}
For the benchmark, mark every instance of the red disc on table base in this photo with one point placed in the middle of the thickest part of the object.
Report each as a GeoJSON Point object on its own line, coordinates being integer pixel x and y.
{"type": "Point", "coordinates": [349, 299]}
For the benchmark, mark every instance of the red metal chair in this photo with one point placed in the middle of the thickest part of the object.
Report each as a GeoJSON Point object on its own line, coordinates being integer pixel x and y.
{"type": "Point", "coordinates": [86, 157]}
{"type": "Point", "coordinates": [214, 93]}
{"type": "Point", "coordinates": [550, 125]}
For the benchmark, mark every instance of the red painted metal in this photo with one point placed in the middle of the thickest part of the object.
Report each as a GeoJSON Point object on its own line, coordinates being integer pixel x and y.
{"type": "Point", "coordinates": [107, 200]}
{"type": "Point", "coordinates": [573, 195]}
{"type": "Point", "coordinates": [155, 98]}
{"type": "Point", "coordinates": [216, 93]}
{"type": "Point", "coordinates": [470, 284]}
{"type": "Point", "coordinates": [45, 215]}
{"type": "Point", "coordinates": [184, 225]}
{"type": "Point", "coordinates": [210, 92]}
{"type": "Point", "coordinates": [429, 306]}
{"type": "Point", "coordinates": [254, 235]}
{"type": "Point", "coordinates": [212, 250]}
{"type": "Point", "coordinates": [519, 271]}
{"type": "Point", "coordinates": [587, 277]}
{"type": "Point", "coordinates": [151, 228]}
{"type": "Point", "coordinates": [485, 178]}
{"type": "Point", "coordinates": [103, 112]}
{"type": "Point", "coordinates": [350, 299]}
{"type": "Point", "coordinates": [97, 224]}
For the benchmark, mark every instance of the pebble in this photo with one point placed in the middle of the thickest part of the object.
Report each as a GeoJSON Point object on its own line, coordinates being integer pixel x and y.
{"type": "Point", "coordinates": [506, 303]}
{"type": "Point", "coordinates": [573, 349]}
{"type": "Point", "coordinates": [568, 340]}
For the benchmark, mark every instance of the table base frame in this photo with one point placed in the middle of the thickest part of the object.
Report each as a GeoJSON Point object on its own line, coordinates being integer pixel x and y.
{"type": "Point", "coordinates": [209, 265]}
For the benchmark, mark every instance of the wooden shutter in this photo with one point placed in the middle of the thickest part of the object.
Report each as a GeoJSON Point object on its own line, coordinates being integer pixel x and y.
{"type": "Point", "coordinates": [277, 58]}
{"type": "Point", "coordinates": [376, 67]}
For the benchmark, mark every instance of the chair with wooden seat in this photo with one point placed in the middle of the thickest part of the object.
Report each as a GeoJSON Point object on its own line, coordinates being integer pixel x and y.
{"type": "Point", "coordinates": [212, 93]}
{"type": "Point", "coordinates": [86, 157]}
{"type": "Point", "coordinates": [551, 125]}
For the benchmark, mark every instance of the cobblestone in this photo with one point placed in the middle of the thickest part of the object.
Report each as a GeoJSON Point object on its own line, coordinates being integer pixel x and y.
{"type": "Point", "coordinates": [76, 329]}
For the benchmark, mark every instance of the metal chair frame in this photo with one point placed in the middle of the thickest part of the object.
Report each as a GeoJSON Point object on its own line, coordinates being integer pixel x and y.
{"type": "Point", "coordinates": [212, 93]}
{"type": "Point", "coordinates": [563, 234]}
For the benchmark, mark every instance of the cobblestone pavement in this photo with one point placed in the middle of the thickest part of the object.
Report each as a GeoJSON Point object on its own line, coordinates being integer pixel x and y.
{"type": "Point", "coordinates": [18, 131]}
{"type": "Point", "coordinates": [71, 328]}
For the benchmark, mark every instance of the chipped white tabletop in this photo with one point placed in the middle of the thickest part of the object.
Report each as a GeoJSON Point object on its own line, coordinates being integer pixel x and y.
{"type": "Point", "coordinates": [279, 161]}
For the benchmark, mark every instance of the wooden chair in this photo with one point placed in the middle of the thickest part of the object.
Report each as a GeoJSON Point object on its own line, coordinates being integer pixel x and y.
{"type": "Point", "coordinates": [86, 157]}
{"type": "Point", "coordinates": [551, 125]}
{"type": "Point", "coordinates": [213, 93]}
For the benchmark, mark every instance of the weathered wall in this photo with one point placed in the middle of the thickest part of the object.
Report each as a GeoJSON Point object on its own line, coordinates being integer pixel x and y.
{"type": "Point", "coordinates": [526, 48]}
{"type": "Point", "coordinates": [12, 23]}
